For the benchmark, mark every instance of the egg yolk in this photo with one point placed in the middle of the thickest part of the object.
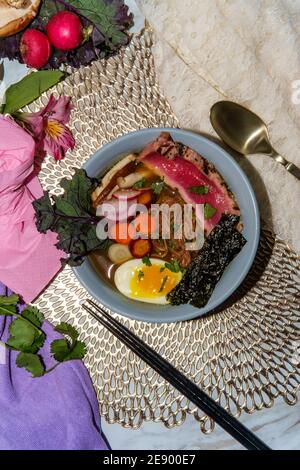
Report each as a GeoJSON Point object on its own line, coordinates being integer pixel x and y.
{"type": "Point", "coordinates": [153, 281]}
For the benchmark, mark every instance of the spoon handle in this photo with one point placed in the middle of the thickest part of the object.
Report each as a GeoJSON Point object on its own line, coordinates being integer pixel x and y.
{"type": "Point", "coordinates": [290, 167]}
{"type": "Point", "coordinates": [295, 170]}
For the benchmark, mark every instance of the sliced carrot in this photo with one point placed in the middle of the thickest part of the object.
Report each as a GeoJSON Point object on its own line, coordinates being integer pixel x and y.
{"type": "Point", "coordinates": [140, 248]}
{"type": "Point", "coordinates": [145, 224]}
{"type": "Point", "coordinates": [146, 197]}
{"type": "Point", "coordinates": [120, 232]}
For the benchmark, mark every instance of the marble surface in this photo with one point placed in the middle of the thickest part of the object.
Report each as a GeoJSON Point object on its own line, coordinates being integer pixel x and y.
{"type": "Point", "coordinates": [279, 426]}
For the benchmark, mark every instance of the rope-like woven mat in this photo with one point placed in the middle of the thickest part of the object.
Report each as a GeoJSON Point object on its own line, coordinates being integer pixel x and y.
{"type": "Point", "coordinates": [245, 355]}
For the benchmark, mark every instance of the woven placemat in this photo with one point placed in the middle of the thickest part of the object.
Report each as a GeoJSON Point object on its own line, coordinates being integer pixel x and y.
{"type": "Point", "coordinates": [246, 354]}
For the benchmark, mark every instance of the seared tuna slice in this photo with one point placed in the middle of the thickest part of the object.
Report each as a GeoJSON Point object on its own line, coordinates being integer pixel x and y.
{"type": "Point", "coordinates": [164, 145]}
{"type": "Point", "coordinates": [187, 172]}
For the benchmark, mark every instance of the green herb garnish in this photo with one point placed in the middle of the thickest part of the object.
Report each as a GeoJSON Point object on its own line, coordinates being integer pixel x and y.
{"type": "Point", "coordinates": [162, 269]}
{"type": "Point", "coordinates": [27, 337]}
{"type": "Point", "coordinates": [174, 266]}
{"type": "Point", "coordinates": [157, 187]}
{"type": "Point", "coordinates": [165, 279]}
{"type": "Point", "coordinates": [199, 189]}
{"type": "Point", "coordinates": [209, 211]}
{"type": "Point", "coordinates": [67, 349]}
{"type": "Point", "coordinates": [140, 184]}
{"type": "Point", "coordinates": [146, 260]}
{"type": "Point", "coordinates": [140, 275]}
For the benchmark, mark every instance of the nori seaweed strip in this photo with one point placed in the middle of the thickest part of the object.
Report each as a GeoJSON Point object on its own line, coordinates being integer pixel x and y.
{"type": "Point", "coordinates": [204, 272]}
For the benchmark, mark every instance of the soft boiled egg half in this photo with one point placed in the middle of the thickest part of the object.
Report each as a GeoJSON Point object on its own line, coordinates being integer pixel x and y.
{"type": "Point", "coordinates": [145, 283]}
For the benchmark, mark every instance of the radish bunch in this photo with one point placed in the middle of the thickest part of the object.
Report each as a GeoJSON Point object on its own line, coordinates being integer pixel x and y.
{"type": "Point", "coordinates": [64, 31]}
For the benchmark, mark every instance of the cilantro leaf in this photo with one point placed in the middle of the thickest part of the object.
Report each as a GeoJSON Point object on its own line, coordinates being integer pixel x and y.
{"type": "Point", "coordinates": [62, 351]}
{"type": "Point", "coordinates": [8, 305]}
{"type": "Point", "coordinates": [27, 337]}
{"type": "Point", "coordinates": [174, 266]}
{"type": "Point", "coordinates": [31, 362]}
{"type": "Point", "coordinates": [77, 352]}
{"type": "Point", "coordinates": [139, 184]}
{"type": "Point", "coordinates": [24, 336]}
{"type": "Point", "coordinates": [33, 315]}
{"type": "Point", "coordinates": [140, 275]}
{"type": "Point", "coordinates": [157, 187]}
{"type": "Point", "coordinates": [202, 189]}
{"type": "Point", "coordinates": [209, 211]}
{"type": "Point", "coordinates": [147, 261]}
{"type": "Point", "coordinates": [67, 329]}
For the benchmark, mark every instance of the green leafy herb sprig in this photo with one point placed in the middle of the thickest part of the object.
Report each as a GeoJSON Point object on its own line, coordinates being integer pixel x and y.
{"type": "Point", "coordinates": [139, 184]}
{"type": "Point", "coordinates": [27, 337]}
{"type": "Point", "coordinates": [147, 261]}
{"type": "Point", "coordinates": [209, 211]}
{"type": "Point", "coordinates": [158, 186]}
{"type": "Point", "coordinates": [174, 266]}
{"type": "Point", "coordinates": [202, 189]}
{"type": "Point", "coordinates": [72, 217]}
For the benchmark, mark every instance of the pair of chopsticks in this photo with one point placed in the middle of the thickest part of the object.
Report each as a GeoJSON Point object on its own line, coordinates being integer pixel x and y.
{"type": "Point", "coordinates": [185, 386]}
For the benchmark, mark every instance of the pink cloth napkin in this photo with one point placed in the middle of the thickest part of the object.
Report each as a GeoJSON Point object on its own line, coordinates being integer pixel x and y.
{"type": "Point", "coordinates": [28, 259]}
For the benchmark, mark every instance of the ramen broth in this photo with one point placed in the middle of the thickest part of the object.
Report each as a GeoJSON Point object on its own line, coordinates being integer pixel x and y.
{"type": "Point", "coordinates": [99, 259]}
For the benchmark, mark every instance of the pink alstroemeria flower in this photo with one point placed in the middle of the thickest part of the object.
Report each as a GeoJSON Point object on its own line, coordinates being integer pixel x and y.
{"type": "Point", "coordinates": [48, 127]}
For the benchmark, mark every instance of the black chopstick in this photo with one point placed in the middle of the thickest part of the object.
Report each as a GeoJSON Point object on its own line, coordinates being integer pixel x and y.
{"type": "Point", "coordinates": [177, 379]}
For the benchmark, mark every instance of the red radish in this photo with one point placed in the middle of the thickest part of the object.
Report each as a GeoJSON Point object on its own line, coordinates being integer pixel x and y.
{"type": "Point", "coordinates": [126, 194]}
{"type": "Point", "coordinates": [140, 248]}
{"type": "Point", "coordinates": [35, 48]}
{"type": "Point", "coordinates": [117, 210]}
{"type": "Point", "coordinates": [65, 30]}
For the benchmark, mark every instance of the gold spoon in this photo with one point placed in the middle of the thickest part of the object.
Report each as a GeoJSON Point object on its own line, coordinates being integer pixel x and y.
{"type": "Point", "coordinates": [245, 132]}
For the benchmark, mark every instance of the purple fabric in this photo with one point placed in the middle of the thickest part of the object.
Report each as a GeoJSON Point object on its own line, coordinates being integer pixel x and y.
{"type": "Point", "coordinates": [56, 411]}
